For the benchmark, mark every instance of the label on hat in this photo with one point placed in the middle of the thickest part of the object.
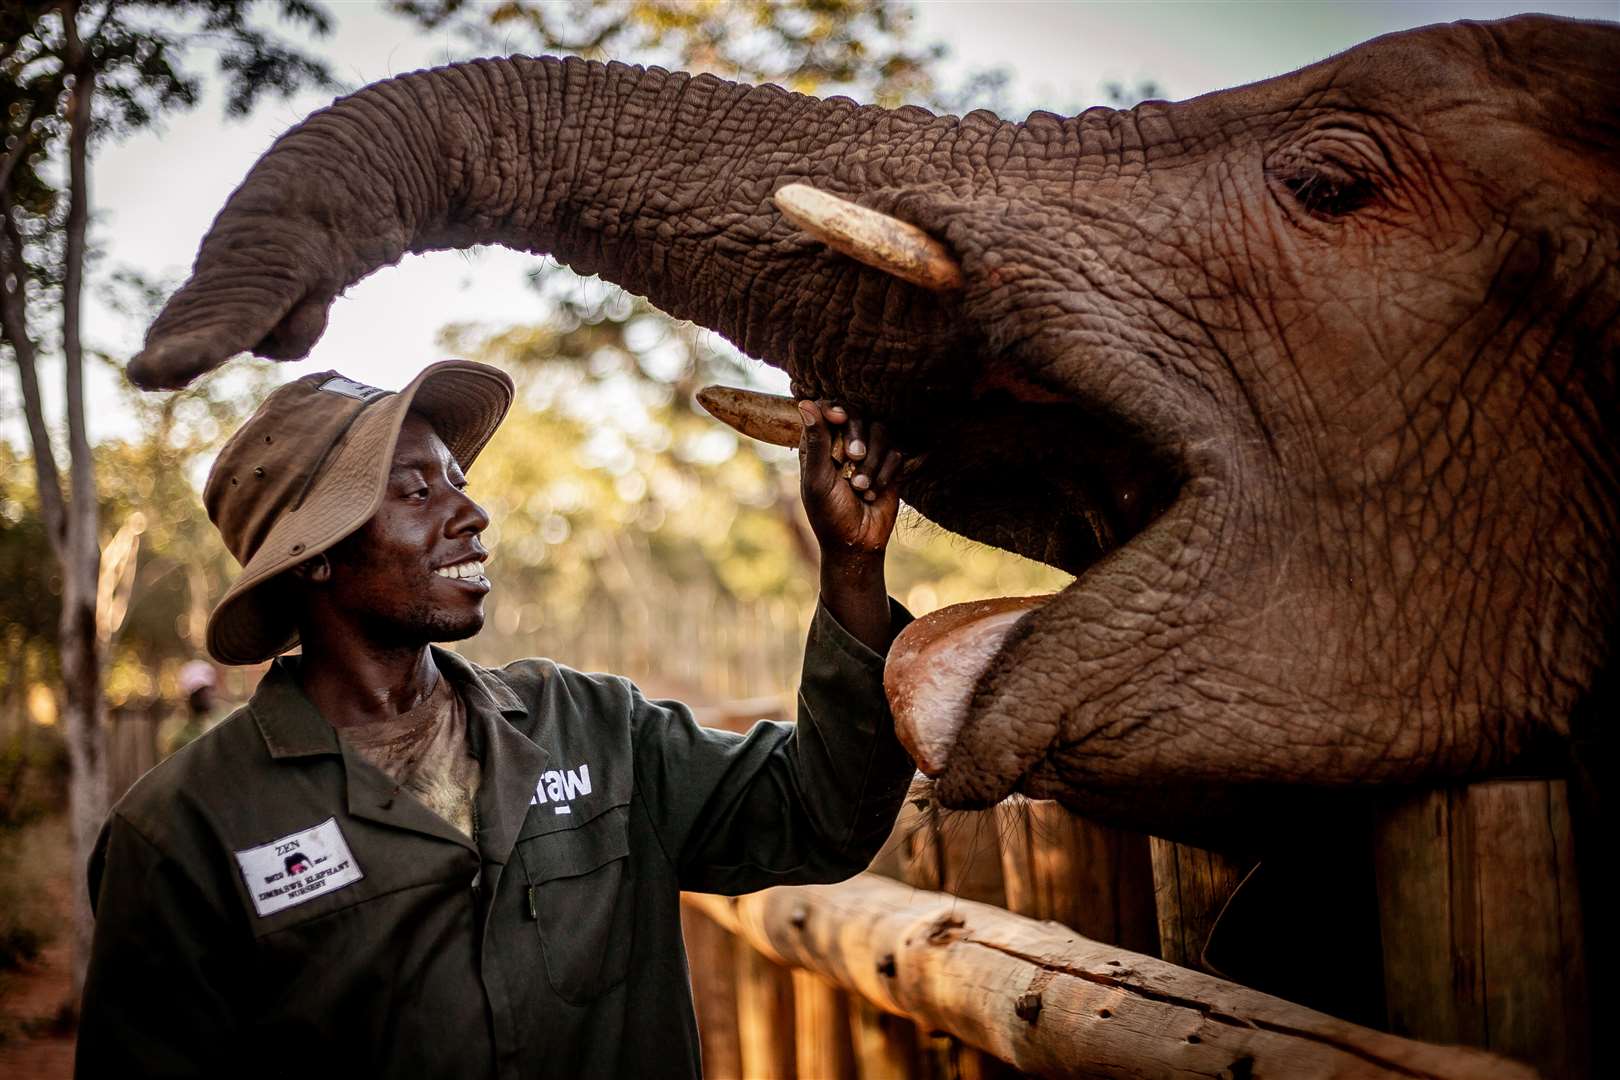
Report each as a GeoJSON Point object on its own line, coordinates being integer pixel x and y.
{"type": "Point", "coordinates": [337, 384]}
{"type": "Point", "coordinates": [298, 867]}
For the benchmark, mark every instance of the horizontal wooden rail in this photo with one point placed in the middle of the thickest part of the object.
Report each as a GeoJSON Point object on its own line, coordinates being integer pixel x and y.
{"type": "Point", "coordinates": [1054, 1003]}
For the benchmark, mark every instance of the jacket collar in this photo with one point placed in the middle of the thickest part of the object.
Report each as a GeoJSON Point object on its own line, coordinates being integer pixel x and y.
{"type": "Point", "coordinates": [292, 727]}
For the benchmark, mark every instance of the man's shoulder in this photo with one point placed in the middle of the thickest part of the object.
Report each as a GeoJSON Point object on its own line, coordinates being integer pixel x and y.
{"type": "Point", "coordinates": [537, 678]}
{"type": "Point", "coordinates": [213, 766]}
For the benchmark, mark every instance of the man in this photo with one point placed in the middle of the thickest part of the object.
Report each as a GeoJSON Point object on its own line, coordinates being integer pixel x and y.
{"type": "Point", "coordinates": [411, 866]}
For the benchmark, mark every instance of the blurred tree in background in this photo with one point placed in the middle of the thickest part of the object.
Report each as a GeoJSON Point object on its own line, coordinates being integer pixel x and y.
{"type": "Point", "coordinates": [863, 48]}
{"type": "Point", "coordinates": [72, 74]}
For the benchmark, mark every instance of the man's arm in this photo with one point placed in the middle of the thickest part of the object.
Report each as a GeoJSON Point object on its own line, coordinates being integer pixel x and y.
{"type": "Point", "coordinates": [811, 801]}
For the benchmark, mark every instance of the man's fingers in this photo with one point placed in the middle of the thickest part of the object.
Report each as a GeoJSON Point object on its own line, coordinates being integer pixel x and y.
{"type": "Point", "coordinates": [866, 468]}
{"type": "Point", "coordinates": [815, 460]}
{"type": "Point", "coordinates": [891, 467]}
{"type": "Point", "coordinates": [855, 446]}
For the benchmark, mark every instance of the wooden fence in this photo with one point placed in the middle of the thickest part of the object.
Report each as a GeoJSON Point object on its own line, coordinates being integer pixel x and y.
{"type": "Point", "coordinates": [1025, 940]}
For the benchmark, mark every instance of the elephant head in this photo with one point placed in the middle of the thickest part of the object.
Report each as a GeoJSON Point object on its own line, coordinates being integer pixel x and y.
{"type": "Point", "coordinates": [1311, 383]}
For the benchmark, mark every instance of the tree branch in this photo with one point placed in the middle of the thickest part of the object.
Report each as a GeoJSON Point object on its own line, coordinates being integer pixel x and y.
{"type": "Point", "coordinates": [25, 137]}
{"type": "Point", "coordinates": [14, 325]}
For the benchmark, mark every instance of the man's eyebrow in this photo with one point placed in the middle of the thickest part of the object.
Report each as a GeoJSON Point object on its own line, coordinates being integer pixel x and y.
{"type": "Point", "coordinates": [424, 464]}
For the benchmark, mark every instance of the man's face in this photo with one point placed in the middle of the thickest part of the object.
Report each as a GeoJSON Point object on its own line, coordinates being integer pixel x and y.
{"type": "Point", "coordinates": [414, 572]}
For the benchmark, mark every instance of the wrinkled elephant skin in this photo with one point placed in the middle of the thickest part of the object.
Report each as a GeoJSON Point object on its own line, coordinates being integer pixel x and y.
{"type": "Point", "coordinates": [1312, 383]}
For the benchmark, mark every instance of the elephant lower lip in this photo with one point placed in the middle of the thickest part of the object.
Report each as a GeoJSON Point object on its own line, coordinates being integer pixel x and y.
{"type": "Point", "coordinates": [934, 665]}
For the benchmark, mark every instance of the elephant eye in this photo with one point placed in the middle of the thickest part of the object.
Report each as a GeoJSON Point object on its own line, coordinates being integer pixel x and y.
{"type": "Point", "coordinates": [1326, 189]}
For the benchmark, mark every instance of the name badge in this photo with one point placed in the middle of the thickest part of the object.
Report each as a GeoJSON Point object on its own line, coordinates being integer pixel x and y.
{"type": "Point", "coordinates": [298, 867]}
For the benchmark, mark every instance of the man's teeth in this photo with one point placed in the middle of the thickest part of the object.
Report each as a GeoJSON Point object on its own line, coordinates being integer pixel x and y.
{"type": "Point", "coordinates": [472, 568]}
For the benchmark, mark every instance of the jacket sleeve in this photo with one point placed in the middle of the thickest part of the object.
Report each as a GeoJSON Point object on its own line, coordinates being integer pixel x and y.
{"type": "Point", "coordinates": [155, 994]}
{"type": "Point", "coordinates": [786, 803]}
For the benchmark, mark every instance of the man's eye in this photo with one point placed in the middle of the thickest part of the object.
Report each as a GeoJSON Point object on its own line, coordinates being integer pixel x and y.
{"type": "Point", "coordinates": [419, 493]}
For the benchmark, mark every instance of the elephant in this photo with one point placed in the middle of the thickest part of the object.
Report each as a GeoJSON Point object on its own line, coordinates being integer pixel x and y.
{"type": "Point", "coordinates": [1311, 384]}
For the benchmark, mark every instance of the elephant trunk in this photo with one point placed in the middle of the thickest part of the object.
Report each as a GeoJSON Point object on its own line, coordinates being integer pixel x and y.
{"type": "Point", "coordinates": [660, 182]}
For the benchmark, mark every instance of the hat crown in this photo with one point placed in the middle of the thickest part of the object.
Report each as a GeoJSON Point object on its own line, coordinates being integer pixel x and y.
{"type": "Point", "coordinates": [272, 460]}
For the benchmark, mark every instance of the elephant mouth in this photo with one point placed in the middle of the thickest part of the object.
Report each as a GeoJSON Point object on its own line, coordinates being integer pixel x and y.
{"type": "Point", "coordinates": [1058, 482]}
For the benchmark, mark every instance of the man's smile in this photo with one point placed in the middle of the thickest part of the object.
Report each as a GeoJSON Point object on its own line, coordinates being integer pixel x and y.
{"type": "Point", "coordinates": [469, 573]}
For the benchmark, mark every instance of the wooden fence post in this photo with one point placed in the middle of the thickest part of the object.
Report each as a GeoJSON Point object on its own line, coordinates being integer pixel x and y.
{"type": "Point", "coordinates": [132, 746]}
{"type": "Point", "coordinates": [765, 1018]}
{"type": "Point", "coordinates": [1482, 922]}
{"type": "Point", "coordinates": [711, 953]}
{"type": "Point", "coordinates": [1190, 887]}
{"type": "Point", "coordinates": [955, 852]}
{"type": "Point", "coordinates": [885, 1044]}
{"type": "Point", "coordinates": [1089, 877]}
{"type": "Point", "coordinates": [821, 1029]}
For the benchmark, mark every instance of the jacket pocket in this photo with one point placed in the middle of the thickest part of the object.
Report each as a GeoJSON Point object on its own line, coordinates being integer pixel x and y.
{"type": "Point", "coordinates": [581, 896]}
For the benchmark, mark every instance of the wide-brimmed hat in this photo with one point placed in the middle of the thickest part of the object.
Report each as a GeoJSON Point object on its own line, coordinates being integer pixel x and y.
{"type": "Point", "coordinates": [310, 466]}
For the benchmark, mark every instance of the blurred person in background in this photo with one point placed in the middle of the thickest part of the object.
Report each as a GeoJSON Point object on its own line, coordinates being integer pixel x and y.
{"type": "Point", "coordinates": [199, 686]}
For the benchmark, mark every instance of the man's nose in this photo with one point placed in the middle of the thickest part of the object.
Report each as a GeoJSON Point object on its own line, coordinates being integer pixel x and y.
{"type": "Point", "coordinates": [469, 519]}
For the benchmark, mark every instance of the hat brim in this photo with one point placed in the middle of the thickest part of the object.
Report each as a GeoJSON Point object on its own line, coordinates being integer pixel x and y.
{"type": "Point", "coordinates": [464, 401]}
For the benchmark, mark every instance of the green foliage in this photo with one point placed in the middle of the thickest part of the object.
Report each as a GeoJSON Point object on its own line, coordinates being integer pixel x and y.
{"type": "Point", "coordinates": [138, 54]}
{"type": "Point", "coordinates": [857, 47]}
{"type": "Point", "coordinates": [30, 857]}
{"type": "Point", "coordinates": [33, 775]}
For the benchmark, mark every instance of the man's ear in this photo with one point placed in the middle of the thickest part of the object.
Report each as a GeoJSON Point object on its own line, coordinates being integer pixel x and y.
{"type": "Point", "coordinates": [316, 570]}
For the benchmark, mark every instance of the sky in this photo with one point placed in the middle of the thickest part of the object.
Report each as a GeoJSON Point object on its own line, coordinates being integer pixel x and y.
{"type": "Point", "coordinates": [154, 195]}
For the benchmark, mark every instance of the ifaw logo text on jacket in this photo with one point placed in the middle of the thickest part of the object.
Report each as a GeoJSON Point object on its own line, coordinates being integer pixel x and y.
{"type": "Point", "coordinates": [557, 787]}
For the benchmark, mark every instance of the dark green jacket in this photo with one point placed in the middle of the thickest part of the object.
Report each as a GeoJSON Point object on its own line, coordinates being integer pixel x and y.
{"type": "Point", "coordinates": [394, 947]}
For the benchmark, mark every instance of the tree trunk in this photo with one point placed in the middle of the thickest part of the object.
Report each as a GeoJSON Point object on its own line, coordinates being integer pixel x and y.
{"type": "Point", "coordinates": [81, 563]}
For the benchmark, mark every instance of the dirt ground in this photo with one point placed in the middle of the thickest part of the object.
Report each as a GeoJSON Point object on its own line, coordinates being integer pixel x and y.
{"type": "Point", "coordinates": [34, 1043]}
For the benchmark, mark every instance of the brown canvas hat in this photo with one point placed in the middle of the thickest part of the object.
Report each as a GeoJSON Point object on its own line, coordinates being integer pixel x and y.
{"type": "Point", "coordinates": [310, 466]}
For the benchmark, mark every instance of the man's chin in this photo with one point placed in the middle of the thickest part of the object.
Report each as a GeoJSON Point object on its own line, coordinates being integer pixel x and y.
{"type": "Point", "coordinates": [459, 630]}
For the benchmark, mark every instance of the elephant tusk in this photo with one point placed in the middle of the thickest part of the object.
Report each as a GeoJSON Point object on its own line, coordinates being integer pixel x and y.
{"type": "Point", "coordinates": [878, 240]}
{"type": "Point", "coordinates": [774, 419]}
{"type": "Point", "coordinates": [769, 418]}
